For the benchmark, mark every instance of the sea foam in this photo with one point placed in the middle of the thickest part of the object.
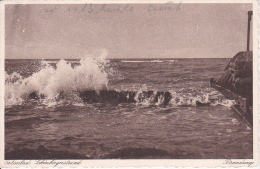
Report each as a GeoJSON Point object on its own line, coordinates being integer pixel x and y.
{"type": "Point", "coordinates": [89, 74]}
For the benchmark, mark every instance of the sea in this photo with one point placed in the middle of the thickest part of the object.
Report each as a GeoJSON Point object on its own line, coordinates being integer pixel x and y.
{"type": "Point", "coordinates": [48, 117]}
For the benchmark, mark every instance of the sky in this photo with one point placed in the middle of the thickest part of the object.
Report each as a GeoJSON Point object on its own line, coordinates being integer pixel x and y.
{"type": "Point", "coordinates": [168, 30]}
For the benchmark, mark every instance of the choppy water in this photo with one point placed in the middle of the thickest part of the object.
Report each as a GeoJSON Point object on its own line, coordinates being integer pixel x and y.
{"type": "Point", "coordinates": [197, 123]}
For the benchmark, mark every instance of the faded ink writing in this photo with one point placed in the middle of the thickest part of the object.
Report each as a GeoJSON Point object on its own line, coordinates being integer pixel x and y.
{"type": "Point", "coordinates": [106, 8]}
{"type": "Point", "coordinates": [243, 162]}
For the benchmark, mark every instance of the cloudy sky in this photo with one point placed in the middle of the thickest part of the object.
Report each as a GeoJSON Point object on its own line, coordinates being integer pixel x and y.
{"type": "Point", "coordinates": [126, 31]}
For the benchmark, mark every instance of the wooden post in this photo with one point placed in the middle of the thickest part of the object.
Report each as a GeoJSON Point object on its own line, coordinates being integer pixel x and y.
{"type": "Point", "coordinates": [250, 13]}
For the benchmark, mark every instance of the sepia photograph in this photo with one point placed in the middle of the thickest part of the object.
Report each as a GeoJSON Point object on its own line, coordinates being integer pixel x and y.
{"type": "Point", "coordinates": [93, 81]}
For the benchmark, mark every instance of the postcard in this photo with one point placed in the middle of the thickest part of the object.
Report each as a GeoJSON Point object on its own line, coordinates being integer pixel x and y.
{"type": "Point", "coordinates": [129, 83]}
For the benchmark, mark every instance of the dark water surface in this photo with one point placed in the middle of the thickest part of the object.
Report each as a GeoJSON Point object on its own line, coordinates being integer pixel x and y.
{"type": "Point", "coordinates": [181, 129]}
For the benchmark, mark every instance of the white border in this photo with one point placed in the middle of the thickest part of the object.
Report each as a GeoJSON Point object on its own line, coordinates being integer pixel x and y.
{"type": "Point", "coordinates": [138, 163]}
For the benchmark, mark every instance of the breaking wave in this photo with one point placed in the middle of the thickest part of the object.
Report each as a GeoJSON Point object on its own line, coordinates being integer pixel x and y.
{"type": "Point", "coordinates": [90, 74]}
{"type": "Point", "coordinates": [146, 97]}
{"type": "Point", "coordinates": [141, 97]}
{"type": "Point", "coordinates": [86, 81]}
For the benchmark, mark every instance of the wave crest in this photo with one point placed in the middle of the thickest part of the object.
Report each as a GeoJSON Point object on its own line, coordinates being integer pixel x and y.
{"type": "Point", "coordinates": [89, 74]}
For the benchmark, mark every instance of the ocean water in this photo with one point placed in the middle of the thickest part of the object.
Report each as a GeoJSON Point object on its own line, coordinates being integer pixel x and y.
{"type": "Point", "coordinates": [45, 110]}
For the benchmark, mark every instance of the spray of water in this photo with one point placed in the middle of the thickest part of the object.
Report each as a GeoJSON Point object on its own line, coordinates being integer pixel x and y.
{"type": "Point", "coordinates": [60, 82]}
{"type": "Point", "coordinates": [50, 82]}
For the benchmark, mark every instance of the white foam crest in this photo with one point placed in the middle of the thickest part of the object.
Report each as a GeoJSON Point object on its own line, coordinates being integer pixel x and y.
{"type": "Point", "coordinates": [226, 102]}
{"type": "Point", "coordinates": [177, 99]}
{"type": "Point", "coordinates": [142, 61]}
{"type": "Point", "coordinates": [133, 61]}
{"type": "Point", "coordinates": [47, 62]}
{"type": "Point", "coordinates": [12, 89]}
{"type": "Point", "coordinates": [212, 98]}
{"type": "Point", "coordinates": [157, 61]}
{"type": "Point", "coordinates": [139, 97]}
{"type": "Point", "coordinates": [143, 99]}
{"type": "Point", "coordinates": [160, 100]}
{"type": "Point", "coordinates": [170, 60]}
{"type": "Point", "coordinates": [182, 100]}
{"type": "Point", "coordinates": [64, 98]}
{"type": "Point", "coordinates": [218, 99]}
{"type": "Point", "coordinates": [90, 74]}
